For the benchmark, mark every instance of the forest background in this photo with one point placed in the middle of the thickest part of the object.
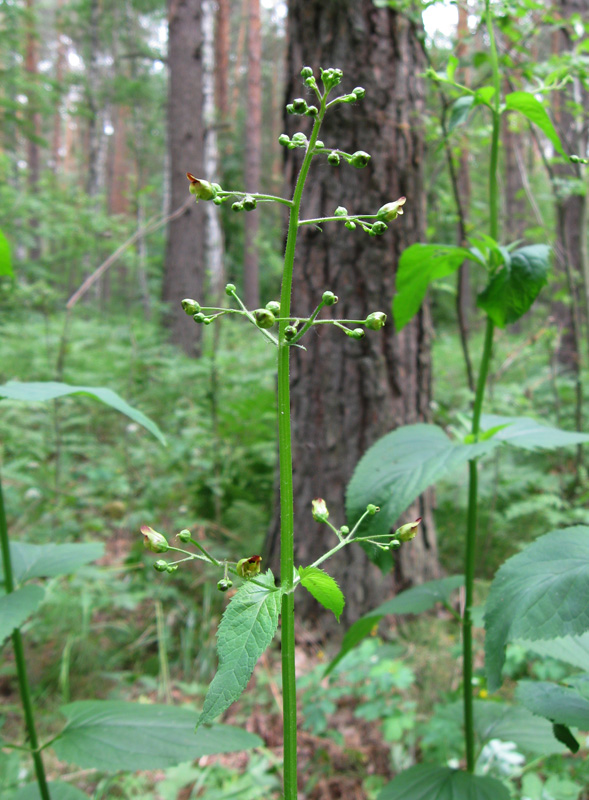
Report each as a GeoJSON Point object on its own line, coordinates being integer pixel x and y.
{"type": "Point", "coordinates": [104, 107]}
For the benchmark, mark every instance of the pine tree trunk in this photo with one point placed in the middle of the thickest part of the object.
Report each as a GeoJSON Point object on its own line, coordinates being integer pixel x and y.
{"type": "Point", "coordinates": [346, 394]}
{"type": "Point", "coordinates": [183, 275]}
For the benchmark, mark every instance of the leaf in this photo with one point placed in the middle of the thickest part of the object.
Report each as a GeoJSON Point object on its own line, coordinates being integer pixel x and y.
{"type": "Point", "coordinates": [411, 601]}
{"type": "Point", "coordinates": [48, 560]}
{"type": "Point", "coordinates": [539, 593]}
{"type": "Point", "coordinates": [396, 470]}
{"type": "Point", "coordinates": [570, 649]}
{"type": "Point", "coordinates": [419, 265]}
{"type": "Point", "coordinates": [564, 735]}
{"type": "Point", "coordinates": [514, 724]}
{"type": "Point", "coordinates": [424, 782]}
{"type": "Point", "coordinates": [247, 628]}
{"type": "Point", "coordinates": [16, 607]}
{"type": "Point", "coordinates": [40, 392]}
{"type": "Point", "coordinates": [514, 286]}
{"type": "Point", "coordinates": [484, 96]}
{"type": "Point", "coordinates": [561, 704]}
{"type": "Point", "coordinates": [529, 434]}
{"type": "Point", "coordinates": [532, 109]}
{"type": "Point", "coordinates": [459, 111]}
{"type": "Point", "coordinates": [112, 735]}
{"type": "Point", "coordinates": [57, 790]}
{"type": "Point", "coordinates": [5, 259]}
{"type": "Point", "coordinates": [453, 63]}
{"type": "Point", "coordinates": [323, 588]}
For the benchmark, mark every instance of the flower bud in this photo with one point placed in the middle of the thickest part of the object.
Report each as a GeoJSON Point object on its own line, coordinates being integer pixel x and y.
{"type": "Point", "coordinates": [340, 211]}
{"type": "Point", "coordinates": [311, 82]}
{"type": "Point", "coordinates": [319, 144]}
{"type": "Point", "coordinates": [407, 532]}
{"type": "Point", "coordinates": [319, 510]}
{"type": "Point", "coordinates": [199, 317]}
{"type": "Point", "coordinates": [224, 584]}
{"type": "Point", "coordinates": [312, 111]}
{"type": "Point", "coordinates": [218, 201]}
{"type": "Point", "coordinates": [359, 159]}
{"type": "Point", "coordinates": [274, 307]}
{"type": "Point", "coordinates": [306, 72]}
{"type": "Point", "coordinates": [299, 105]}
{"type": "Point", "coordinates": [184, 536]}
{"type": "Point", "coordinates": [248, 567]}
{"type": "Point", "coordinates": [237, 206]}
{"type": "Point", "coordinates": [190, 306]}
{"type": "Point", "coordinates": [391, 211]}
{"type": "Point", "coordinates": [284, 139]}
{"type": "Point", "coordinates": [333, 159]}
{"type": "Point", "coordinates": [290, 332]}
{"type": "Point", "coordinates": [264, 318]}
{"type": "Point", "coordinates": [357, 333]}
{"type": "Point", "coordinates": [378, 228]}
{"type": "Point", "coordinates": [359, 91]}
{"type": "Point", "coordinates": [202, 190]}
{"type": "Point", "coordinates": [350, 225]}
{"type": "Point", "coordinates": [171, 567]}
{"type": "Point", "coordinates": [344, 530]}
{"type": "Point", "coordinates": [376, 320]}
{"type": "Point", "coordinates": [153, 540]}
{"type": "Point", "coordinates": [372, 509]}
{"type": "Point", "coordinates": [249, 202]}
{"type": "Point", "coordinates": [290, 109]}
{"type": "Point", "coordinates": [395, 544]}
{"type": "Point", "coordinates": [331, 78]}
{"type": "Point", "coordinates": [299, 139]}
{"type": "Point", "coordinates": [161, 566]}
{"type": "Point", "coordinates": [230, 289]}
{"type": "Point", "coordinates": [329, 299]}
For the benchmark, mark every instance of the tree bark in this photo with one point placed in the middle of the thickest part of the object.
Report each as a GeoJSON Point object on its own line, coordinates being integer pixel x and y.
{"type": "Point", "coordinates": [346, 394]}
{"type": "Point", "coordinates": [183, 273]}
{"type": "Point", "coordinates": [253, 153]}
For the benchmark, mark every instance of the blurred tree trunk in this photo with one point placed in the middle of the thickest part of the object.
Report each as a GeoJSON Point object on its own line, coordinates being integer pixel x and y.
{"type": "Point", "coordinates": [346, 394]}
{"type": "Point", "coordinates": [253, 152]}
{"type": "Point", "coordinates": [222, 45]}
{"type": "Point", "coordinates": [33, 116]}
{"type": "Point", "coordinates": [184, 268]}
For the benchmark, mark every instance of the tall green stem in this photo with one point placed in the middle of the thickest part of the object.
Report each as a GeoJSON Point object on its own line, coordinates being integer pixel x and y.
{"type": "Point", "coordinates": [19, 657]}
{"type": "Point", "coordinates": [471, 530]}
{"type": "Point", "coordinates": [289, 698]}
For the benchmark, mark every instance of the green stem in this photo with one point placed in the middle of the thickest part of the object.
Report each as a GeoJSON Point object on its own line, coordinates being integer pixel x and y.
{"type": "Point", "coordinates": [19, 658]}
{"type": "Point", "coordinates": [289, 698]}
{"type": "Point", "coordinates": [471, 531]}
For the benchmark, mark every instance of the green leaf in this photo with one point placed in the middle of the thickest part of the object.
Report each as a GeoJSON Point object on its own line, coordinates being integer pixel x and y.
{"type": "Point", "coordinates": [532, 109]}
{"type": "Point", "coordinates": [561, 704]}
{"type": "Point", "coordinates": [42, 391]}
{"type": "Point", "coordinates": [16, 607]}
{"type": "Point", "coordinates": [5, 259]}
{"type": "Point", "coordinates": [564, 735]}
{"type": "Point", "coordinates": [57, 790]}
{"type": "Point", "coordinates": [484, 96]}
{"type": "Point", "coordinates": [424, 782]}
{"type": "Point", "coordinates": [570, 649]}
{"type": "Point", "coordinates": [453, 63]}
{"type": "Point", "coordinates": [247, 628]}
{"type": "Point", "coordinates": [111, 735]}
{"type": "Point", "coordinates": [459, 111]}
{"type": "Point", "coordinates": [323, 588]}
{"type": "Point", "coordinates": [514, 724]}
{"type": "Point", "coordinates": [514, 286]}
{"type": "Point", "coordinates": [419, 265]}
{"type": "Point", "coordinates": [530, 434]}
{"type": "Point", "coordinates": [540, 593]}
{"type": "Point", "coordinates": [411, 601]}
{"type": "Point", "coordinates": [396, 470]}
{"type": "Point", "coordinates": [48, 560]}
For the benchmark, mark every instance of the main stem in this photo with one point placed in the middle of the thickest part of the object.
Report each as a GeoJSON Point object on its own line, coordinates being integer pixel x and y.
{"type": "Point", "coordinates": [471, 530]}
{"type": "Point", "coordinates": [289, 696]}
{"type": "Point", "coordinates": [19, 658]}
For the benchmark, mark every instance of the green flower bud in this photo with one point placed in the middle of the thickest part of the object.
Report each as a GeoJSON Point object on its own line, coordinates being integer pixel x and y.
{"type": "Point", "coordinates": [208, 320]}
{"type": "Point", "coordinates": [299, 105]}
{"type": "Point", "coordinates": [218, 201]}
{"type": "Point", "coordinates": [319, 144]}
{"type": "Point", "coordinates": [344, 530]}
{"type": "Point", "coordinates": [249, 567]}
{"type": "Point", "coordinates": [171, 568]}
{"type": "Point", "coordinates": [357, 333]}
{"type": "Point", "coordinates": [290, 109]}
{"type": "Point", "coordinates": [376, 320]}
{"type": "Point", "coordinates": [349, 98]}
{"type": "Point", "coordinates": [190, 306]}
{"type": "Point", "coordinates": [153, 540]}
{"type": "Point", "coordinates": [284, 139]}
{"type": "Point", "coordinates": [372, 509]}
{"type": "Point", "coordinates": [311, 82]}
{"type": "Point", "coordinates": [395, 544]}
{"type": "Point", "coordinates": [340, 211]}
{"type": "Point", "coordinates": [350, 225]}
{"type": "Point", "coordinates": [202, 190]}
{"type": "Point", "coordinates": [199, 317]}
{"type": "Point", "coordinates": [184, 536]}
{"type": "Point", "coordinates": [391, 211]}
{"type": "Point", "coordinates": [237, 206]}
{"type": "Point", "coordinates": [319, 510]}
{"type": "Point", "coordinates": [359, 159]}
{"type": "Point", "coordinates": [333, 159]}
{"type": "Point", "coordinates": [299, 139]}
{"type": "Point", "coordinates": [359, 91]}
{"type": "Point", "coordinates": [290, 332]}
{"type": "Point", "coordinates": [312, 111]}
{"type": "Point", "coordinates": [224, 584]}
{"type": "Point", "coordinates": [249, 202]}
{"type": "Point", "coordinates": [407, 532]}
{"type": "Point", "coordinates": [161, 566]}
{"type": "Point", "coordinates": [329, 299]}
{"type": "Point", "coordinates": [306, 72]}
{"type": "Point", "coordinates": [230, 289]}
{"type": "Point", "coordinates": [331, 78]}
{"type": "Point", "coordinates": [274, 307]}
{"type": "Point", "coordinates": [264, 318]}
{"type": "Point", "coordinates": [378, 228]}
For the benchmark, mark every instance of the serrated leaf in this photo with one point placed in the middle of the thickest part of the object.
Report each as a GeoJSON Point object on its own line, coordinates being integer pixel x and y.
{"type": "Point", "coordinates": [396, 470]}
{"type": "Point", "coordinates": [412, 601]}
{"type": "Point", "coordinates": [572, 650]}
{"type": "Point", "coordinates": [459, 111]}
{"type": "Point", "coordinates": [111, 735]}
{"type": "Point", "coordinates": [424, 782]}
{"type": "Point", "coordinates": [40, 392]}
{"type": "Point", "coordinates": [48, 560]}
{"type": "Point", "coordinates": [17, 607]}
{"type": "Point", "coordinates": [532, 109]}
{"type": "Point", "coordinates": [57, 790]}
{"type": "Point", "coordinates": [513, 287]}
{"type": "Point", "coordinates": [514, 724]}
{"type": "Point", "coordinates": [323, 588]}
{"type": "Point", "coordinates": [5, 259]}
{"type": "Point", "coordinates": [539, 593]}
{"type": "Point", "coordinates": [419, 265]}
{"type": "Point", "coordinates": [530, 434]}
{"type": "Point", "coordinates": [564, 705]}
{"type": "Point", "coordinates": [247, 628]}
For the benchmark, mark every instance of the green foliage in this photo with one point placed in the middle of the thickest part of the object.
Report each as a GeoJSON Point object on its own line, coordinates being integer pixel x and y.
{"type": "Point", "coordinates": [5, 259]}
{"type": "Point", "coordinates": [323, 588]}
{"type": "Point", "coordinates": [16, 607]}
{"type": "Point", "coordinates": [530, 434]}
{"type": "Point", "coordinates": [424, 782]}
{"type": "Point", "coordinates": [563, 705]}
{"type": "Point", "coordinates": [48, 560]}
{"type": "Point", "coordinates": [528, 105]}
